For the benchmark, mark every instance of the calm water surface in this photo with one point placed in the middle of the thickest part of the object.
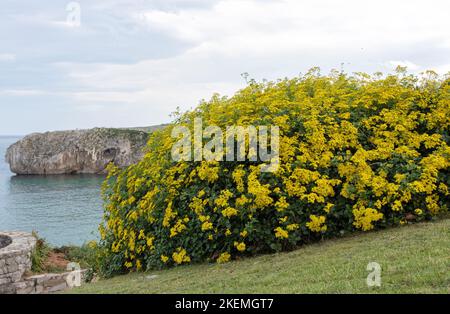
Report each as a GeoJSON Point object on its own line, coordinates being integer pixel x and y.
{"type": "Point", "coordinates": [62, 209]}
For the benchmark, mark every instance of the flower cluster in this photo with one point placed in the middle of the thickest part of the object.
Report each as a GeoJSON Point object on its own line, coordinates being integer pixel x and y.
{"type": "Point", "coordinates": [180, 256]}
{"type": "Point", "coordinates": [356, 153]}
{"type": "Point", "coordinates": [317, 223]}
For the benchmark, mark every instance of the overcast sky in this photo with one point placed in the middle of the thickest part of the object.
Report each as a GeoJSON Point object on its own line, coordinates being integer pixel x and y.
{"type": "Point", "coordinates": [131, 63]}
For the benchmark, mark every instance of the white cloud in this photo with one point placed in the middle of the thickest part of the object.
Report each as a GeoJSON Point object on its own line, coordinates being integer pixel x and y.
{"type": "Point", "coordinates": [268, 39]}
{"type": "Point", "coordinates": [22, 92]}
{"type": "Point", "coordinates": [267, 27]}
{"type": "Point", "coordinates": [7, 57]}
{"type": "Point", "coordinates": [216, 42]}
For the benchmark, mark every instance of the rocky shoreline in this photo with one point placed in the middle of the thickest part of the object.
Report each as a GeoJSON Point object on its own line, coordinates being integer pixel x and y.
{"type": "Point", "coordinates": [76, 151]}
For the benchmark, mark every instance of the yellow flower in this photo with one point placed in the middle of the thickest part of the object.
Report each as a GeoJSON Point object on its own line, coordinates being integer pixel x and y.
{"type": "Point", "coordinates": [164, 259]}
{"type": "Point", "coordinates": [281, 233]}
{"type": "Point", "coordinates": [259, 191]}
{"type": "Point", "coordinates": [242, 200]}
{"type": "Point", "coordinates": [244, 233]}
{"type": "Point", "coordinates": [227, 232]}
{"type": "Point", "coordinates": [240, 246]}
{"type": "Point", "coordinates": [150, 242]}
{"type": "Point", "coordinates": [102, 232]}
{"type": "Point", "coordinates": [207, 225]}
{"type": "Point", "coordinates": [281, 204]}
{"type": "Point", "coordinates": [316, 223]}
{"type": "Point", "coordinates": [432, 204]}
{"type": "Point", "coordinates": [222, 200]}
{"type": "Point", "coordinates": [345, 115]}
{"type": "Point", "coordinates": [328, 207]}
{"type": "Point", "coordinates": [238, 175]}
{"type": "Point", "coordinates": [208, 171]}
{"type": "Point", "coordinates": [115, 247]}
{"type": "Point", "coordinates": [324, 187]}
{"type": "Point", "coordinates": [229, 212]}
{"type": "Point", "coordinates": [418, 211]}
{"type": "Point", "coordinates": [223, 258]}
{"type": "Point", "coordinates": [133, 215]}
{"type": "Point", "coordinates": [397, 206]}
{"type": "Point", "coordinates": [131, 242]}
{"type": "Point", "coordinates": [399, 177]}
{"type": "Point", "coordinates": [292, 227]}
{"type": "Point", "coordinates": [168, 215]}
{"type": "Point", "coordinates": [180, 256]}
{"type": "Point", "coordinates": [443, 189]}
{"type": "Point", "coordinates": [177, 228]}
{"type": "Point", "coordinates": [197, 205]}
{"type": "Point", "coordinates": [364, 217]}
{"type": "Point", "coordinates": [131, 200]}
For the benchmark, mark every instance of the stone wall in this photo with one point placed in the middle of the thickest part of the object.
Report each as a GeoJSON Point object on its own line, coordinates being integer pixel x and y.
{"type": "Point", "coordinates": [15, 260]}
{"type": "Point", "coordinates": [48, 283]}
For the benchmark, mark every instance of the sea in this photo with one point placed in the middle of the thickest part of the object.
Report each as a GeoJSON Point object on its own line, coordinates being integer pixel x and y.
{"type": "Point", "coordinates": [62, 209]}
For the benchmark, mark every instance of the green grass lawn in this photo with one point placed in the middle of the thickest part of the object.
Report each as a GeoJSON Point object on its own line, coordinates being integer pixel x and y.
{"type": "Point", "coordinates": [414, 259]}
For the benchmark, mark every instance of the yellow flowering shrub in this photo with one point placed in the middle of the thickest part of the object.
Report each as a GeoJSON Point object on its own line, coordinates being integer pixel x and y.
{"type": "Point", "coordinates": [357, 152]}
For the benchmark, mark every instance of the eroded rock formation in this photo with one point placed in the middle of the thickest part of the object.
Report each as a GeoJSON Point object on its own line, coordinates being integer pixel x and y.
{"type": "Point", "coordinates": [79, 151]}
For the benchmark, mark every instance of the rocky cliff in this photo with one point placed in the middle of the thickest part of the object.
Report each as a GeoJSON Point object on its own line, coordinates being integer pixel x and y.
{"type": "Point", "coordinates": [72, 152]}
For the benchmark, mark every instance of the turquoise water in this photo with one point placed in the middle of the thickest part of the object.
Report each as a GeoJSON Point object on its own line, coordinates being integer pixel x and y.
{"type": "Point", "coordinates": [62, 209]}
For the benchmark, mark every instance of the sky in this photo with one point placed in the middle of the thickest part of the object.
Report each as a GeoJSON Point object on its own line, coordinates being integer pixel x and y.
{"type": "Point", "coordinates": [75, 65]}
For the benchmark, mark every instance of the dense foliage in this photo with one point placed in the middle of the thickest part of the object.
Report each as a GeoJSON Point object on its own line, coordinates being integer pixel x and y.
{"type": "Point", "coordinates": [357, 153]}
